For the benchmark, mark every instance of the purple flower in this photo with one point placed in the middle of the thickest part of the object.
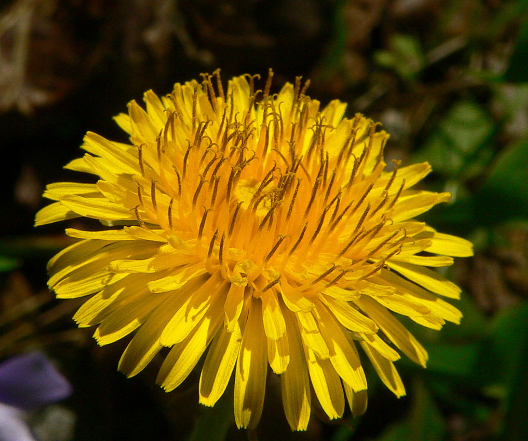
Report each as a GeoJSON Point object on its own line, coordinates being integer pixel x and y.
{"type": "Point", "coordinates": [27, 382]}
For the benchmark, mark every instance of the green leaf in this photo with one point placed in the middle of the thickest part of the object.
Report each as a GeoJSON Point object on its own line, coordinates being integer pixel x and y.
{"type": "Point", "coordinates": [510, 341]}
{"type": "Point", "coordinates": [405, 56]}
{"type": "Point", "coordinates": [504, 195]}
{"type": "Point", "coordinates": [518, 69]}
{"type": "Point", "coordinates": [8, 264]}
{"type": "Point", "coordinates": [214, 422]}
{"type": "Point", "coordinates": [459, 147]}
{"type": "Point", "coordinates": [515, 425]}
{"type": "Point", "coordinates": [424, 421]}
{"type": "Point", "coordinates": [458, 361]}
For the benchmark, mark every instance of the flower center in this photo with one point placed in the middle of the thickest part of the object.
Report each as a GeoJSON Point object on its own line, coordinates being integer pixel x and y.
{"type": "Point", "coordinates": [245, 192]}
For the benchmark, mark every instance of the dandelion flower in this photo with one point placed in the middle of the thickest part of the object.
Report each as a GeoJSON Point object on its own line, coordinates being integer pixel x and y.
{"type": "Point", "coordinates": [260, 232]}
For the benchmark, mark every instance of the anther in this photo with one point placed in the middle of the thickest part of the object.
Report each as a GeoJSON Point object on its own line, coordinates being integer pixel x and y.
{"type": "Point", "coordinates": [338, 219]}
{"type": "Point", "coordinates": [293, 198]}
{"type": "Point", "coordinates": [216, 73]}
{"type": "Point", "coordinates": [169, 214]}
{"type": "Point", "coordinates": [363, 196]}
{"type": "Point", "coordinates": [210, 163]}
{"type": "Point", "coordinates": [375, 270]}
{"type": "Point", "coordinates": [271, 284]}
{"type": "Point", "coordinates": [140, 159]}
{"type": "Point", "coordinates": [138, 217]}
{"type": "Point", "coordinates": [221, 249]}
{"type": "Point", "coordinates": [337, 198]}
{"type": "Point", "coordinates": [153, 194]}
{"type": "Point", "coordinates": [215, 170]}
{"type": "Point", "coordinates": [197, 192]}
{"type": "Point", "coordinates": [230, 183]}
{"type": "Point", "coordinates": [200, 132]}
{"type": "Point", "coordinates": [305, 87]}
{"type": "Point", "coordinates": [336, 279]}
{"type": "Point", "coordinates": [381, 204]}
{"type": "Point", "coordinates": [312, 198]}
{"type": "Point", "coordinates": [393, 175]}
{"type": "Point", "coordinates": [330, 185]}
{"type": "Point", "coordinates": [211, 244]}
{"type": "Point", "coordinates": [322, 276]}
{"type": "Point", "coordinates": [194, 105]}
{"type": "Point", "coordinates": [178, 176]}
{"type": "Point", "coordinates": [393, 202]}
{"type": "Point", "coordinates": [294, 247]}
{"type": "Point", "coordinates": [383, 243]}
{"type": "Point", "coordinates": [268, 216]}
{"type": "Point", "coordinates": [140, 196]}
{"type": "Point", "coordinates": [215, 191]}
{"type": "Point", "coordinates": [275, 248]}
{"type": "Point", "coordinates": [361, 219]}
{"type": "Point", "coordinates": [354, 171]}
{"type": "Point", "coordinates": [233, 220]}
{"type": "Point", "coordinates": [297, 89]}
{"type": "Point", "coordinates": [211, 92]}
{"type": "Point", "coordinates": [202, 223]}
{"type": "Point", "coordinates": [186, 158]}
{"type": "Point", "coordinates": [319, 224]}
{"type": "Point", "coordinates": [158, 146]}
{"type": "Point", "coordinates": [267, 87]}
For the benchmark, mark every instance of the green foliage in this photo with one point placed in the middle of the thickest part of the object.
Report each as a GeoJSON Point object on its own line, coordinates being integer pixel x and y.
{"type": "Point", "coordinates": [424, 421]}
{"type": "Point", "coordinates": [405, 56]}
{"type": "Point", "coordinates": [8, 264]}
{"type": "Point", "coordinates": [518, 68]}
{"type": "Point", "coordinates": [459, 147]}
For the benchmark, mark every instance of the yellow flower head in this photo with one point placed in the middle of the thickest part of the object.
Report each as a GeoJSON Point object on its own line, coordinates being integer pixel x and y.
{"type": "Point", "coordinates": [258, 231]}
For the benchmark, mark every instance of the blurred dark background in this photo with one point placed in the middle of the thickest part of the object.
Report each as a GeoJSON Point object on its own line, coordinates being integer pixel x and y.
{"type": "Point", "coordinates": [448, 80]}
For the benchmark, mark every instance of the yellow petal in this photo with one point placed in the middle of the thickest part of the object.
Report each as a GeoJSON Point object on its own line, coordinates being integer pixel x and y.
{"type": "Point", "coordinates": [233, 306]}
{"type": "Point", "coordinates": [450, 245]}
{"type": "Point", "coordinates": [146, 343]}
{"type": "Point", "coordinates": [183, 357]}
{"type": "Point", "coordinates": [356, 400]}
{"type": "Point", "coordinates": [343, 354]}
{"type": "Point", "coordinates": [311, 335]}
{"type": "Point", "coordinates": [380, 346]}
{"type": "Point", "coordinates": [198, 296]}
{"type": "Point", "coordinates": [349, 317]}
{"type": "Point", "coordinates": [143, 131]}
{"type": "Point", "coordinates": [251, 371]}
{"type": "Point", "coordinates": [219, 364]}
{"type": "Point", "coordinates": [394, 330]}
{"type": "Point", "coordinates": [123, 121]}
{"type": "Point", "coordinates": [295, 383]}
{"type": "Point", "coordinates": [326, 384]}
{"type": "Point", "coordinates": [127, 315]}
{"type": "Point", "coordinates": [433, 261]}
{"type": "Point", "coordinates": [427, 278]}
{"type": "Point", "coordinates": [123, 156]}
{"type": "Point", "coordinates": [419, 296]}
{"type": "Point", "coordinates": [279, 354]}
{"type": "Point", "coordinates": [155, 108]}
{"type": "Point", "coordinates": [96, 308]}
{"type": "Point", "coordinates": [415, 203]}
{"type": "Point", "coordinates": [59, 189]}
{"type": "Point", "coordinates": [102, 235]}
{"type": "Point", "coordinates": [68, 289]}
{"type": "Point", "coordinates": [177, 279]}
{"type": "Point", "coordinates": [97, 208]}
{"type": "Point", "coordinates": [274, 324]}
{"type": "Point", "coordinates": [386, 370]}
{"type": "Point", "coordinates": [54, 213]}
